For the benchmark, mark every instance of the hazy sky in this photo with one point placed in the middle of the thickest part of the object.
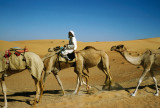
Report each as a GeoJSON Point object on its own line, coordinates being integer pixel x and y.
{"type": "Point", "coordinates": [91, 20]}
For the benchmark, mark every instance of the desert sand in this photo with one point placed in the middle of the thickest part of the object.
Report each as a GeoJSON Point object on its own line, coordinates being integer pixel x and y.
{"type": "Point", "coordinates": [21, 88]}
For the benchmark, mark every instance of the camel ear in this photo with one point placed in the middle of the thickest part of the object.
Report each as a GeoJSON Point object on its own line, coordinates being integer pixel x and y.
{"type": "Point", "coordinates": [150, 52]}
{"type": "Point", "coordinates": [49, 50]}
{"type": "Point", "coordinates": [121, 46]}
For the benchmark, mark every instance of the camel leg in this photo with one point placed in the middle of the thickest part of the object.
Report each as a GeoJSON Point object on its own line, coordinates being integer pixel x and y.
{"type": "Point", "coordinates": [59, 82]}
{"type": "Point", "coordinates": [104, 66]}
{"type": "Point", "coordinates": [75, 91]}
{"type": "Point", "coordinates": [80, 80]}
{"type": "Point", "coordinates": [77, 85]}
{"type": "Point", "coordinates": [108, 80]}
{"type": "Point", "coordinates": [139, 82]}
{"type": "Point", "coordinates": [45, 76]}
{"type": "Point", "coordinates": [87, 76]}
{"type": "Point", "coordinates": [41, 89]}
{"type": "Point", "coordinates": [155, 81]}
{"type": "Point", "coordinates": [86, 83]}
{"type": "Point", "coordinates": [78, 70]}
{"type": "Point", "coordinates": [87, 86]}
{"type": "Point", "coordinates": [4, 90]}
{"type": "Point", "coordinates": [108, 76]}
{"type": "Point", "coordinates": [37, 90]}
{"type": "Point", "coordinates": [107, 70]}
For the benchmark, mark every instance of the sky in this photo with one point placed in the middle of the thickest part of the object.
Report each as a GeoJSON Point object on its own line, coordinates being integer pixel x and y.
{"type": "Point", "coordinates": [91, 20]}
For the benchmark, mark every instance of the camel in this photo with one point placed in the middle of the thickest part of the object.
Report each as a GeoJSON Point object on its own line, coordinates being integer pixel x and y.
{"type": "Point", "coordinates": [15, 64]}
{"type": "Point", "coordinates": [149, 60]}
{"type": "Point", "coordinates": [52, 64]}
{"type": "Point", "coordinates": [92, 58]}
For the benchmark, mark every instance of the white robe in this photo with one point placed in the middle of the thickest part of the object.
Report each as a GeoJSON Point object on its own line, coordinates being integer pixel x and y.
{"type": "Point", "coordinates": [71, 47]}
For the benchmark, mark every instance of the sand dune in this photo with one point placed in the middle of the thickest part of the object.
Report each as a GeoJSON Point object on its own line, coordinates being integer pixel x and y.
{"type": "Point", "coordinates": [41, 46]}
{"type": "Point", "coordinates": [21, 87]}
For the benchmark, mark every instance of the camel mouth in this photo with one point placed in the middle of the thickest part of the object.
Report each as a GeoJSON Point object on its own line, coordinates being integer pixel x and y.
{"type": "Point", "coordinates": [113, 48]}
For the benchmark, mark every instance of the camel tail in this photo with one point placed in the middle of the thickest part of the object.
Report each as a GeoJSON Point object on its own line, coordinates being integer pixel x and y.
{"type": "Point", "coordinates": [41, 80]}
{"type": "Point", "coordinates": [41, 85]}
{"type": "Point", "coordinates": [44, 77]}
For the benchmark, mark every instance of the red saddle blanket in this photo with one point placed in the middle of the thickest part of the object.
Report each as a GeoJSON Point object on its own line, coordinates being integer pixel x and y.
{"type": "Point", "coordinates": [17, 51]}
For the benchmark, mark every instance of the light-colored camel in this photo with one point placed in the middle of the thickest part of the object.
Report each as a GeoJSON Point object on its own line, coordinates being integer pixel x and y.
{"type": "Point", "coordinates": [150, 61]}
{"type": "Point", "coordinates": [53, 65]}
{"type": "Point", "coordinates": [92, 58]}
{"type": "Point", "coordinates": [17, 64]}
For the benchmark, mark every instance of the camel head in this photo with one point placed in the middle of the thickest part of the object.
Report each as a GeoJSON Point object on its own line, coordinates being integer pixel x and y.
{"type": "Point", "coordinates": [54, 49]}
{"type": "Point", "coordinates": [50, 49]}
{"type": "Point", "coordinates": [118, 48]}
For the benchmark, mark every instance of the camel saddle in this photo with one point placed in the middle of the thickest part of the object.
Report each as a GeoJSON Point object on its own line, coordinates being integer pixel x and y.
{"type": "Point", "coordinates": [70, 56]}
{"type": "Point", "coordinates": [58, 51]}
{"type": "Point", "coordinates": [15, 50]}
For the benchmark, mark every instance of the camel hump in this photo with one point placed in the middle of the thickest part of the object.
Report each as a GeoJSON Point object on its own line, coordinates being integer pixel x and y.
{"type": "Point", "coordinates": [89, 47]}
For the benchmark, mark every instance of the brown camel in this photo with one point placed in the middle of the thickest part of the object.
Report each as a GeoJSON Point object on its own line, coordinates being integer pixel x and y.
{"type": "Point", "coordinates": [150, 61]}
{"type": "Point", "coordinates": [86, 58]}
{"type": "Point", "coordinates": [90, 57]}
{"type": "Point", "coordinates": [15, 64]}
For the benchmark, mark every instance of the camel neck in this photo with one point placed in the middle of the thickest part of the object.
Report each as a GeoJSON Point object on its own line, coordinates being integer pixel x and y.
{"type": "Point", "coordinates": [136, 60]}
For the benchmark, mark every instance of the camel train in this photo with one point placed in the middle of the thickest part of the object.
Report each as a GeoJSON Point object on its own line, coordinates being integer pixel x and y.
{"type": "Point", "coordinates": [82, 60]}
{"type": "Point", "coordinates": [15, 61]}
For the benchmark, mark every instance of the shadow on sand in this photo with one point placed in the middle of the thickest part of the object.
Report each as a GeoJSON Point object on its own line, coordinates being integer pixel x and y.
{"type": "Point", "coordinates": [31, 94]}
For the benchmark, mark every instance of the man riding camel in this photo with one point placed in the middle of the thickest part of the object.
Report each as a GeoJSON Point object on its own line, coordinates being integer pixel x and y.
{"type": "Point", "coordinates": [72, 46]}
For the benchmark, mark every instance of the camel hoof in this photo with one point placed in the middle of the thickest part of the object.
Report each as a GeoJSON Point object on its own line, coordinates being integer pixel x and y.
{"type": "Point", "coordinates": [89, 87]}
{"type": "Point", "coordinates": [156, 94]}
{"type": "Point", "coordinates": [74, 93]}
{"type": "Point", "coordinates": [5, 107]}
{"type": "Point", "coordinates": [34, 103]}
{"type": "Point", "coordinates": [63, 93]}
{"type": "Point", "coordinates": [103, 87]}
{"type": "Point", "coordinates": [133, 94]}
